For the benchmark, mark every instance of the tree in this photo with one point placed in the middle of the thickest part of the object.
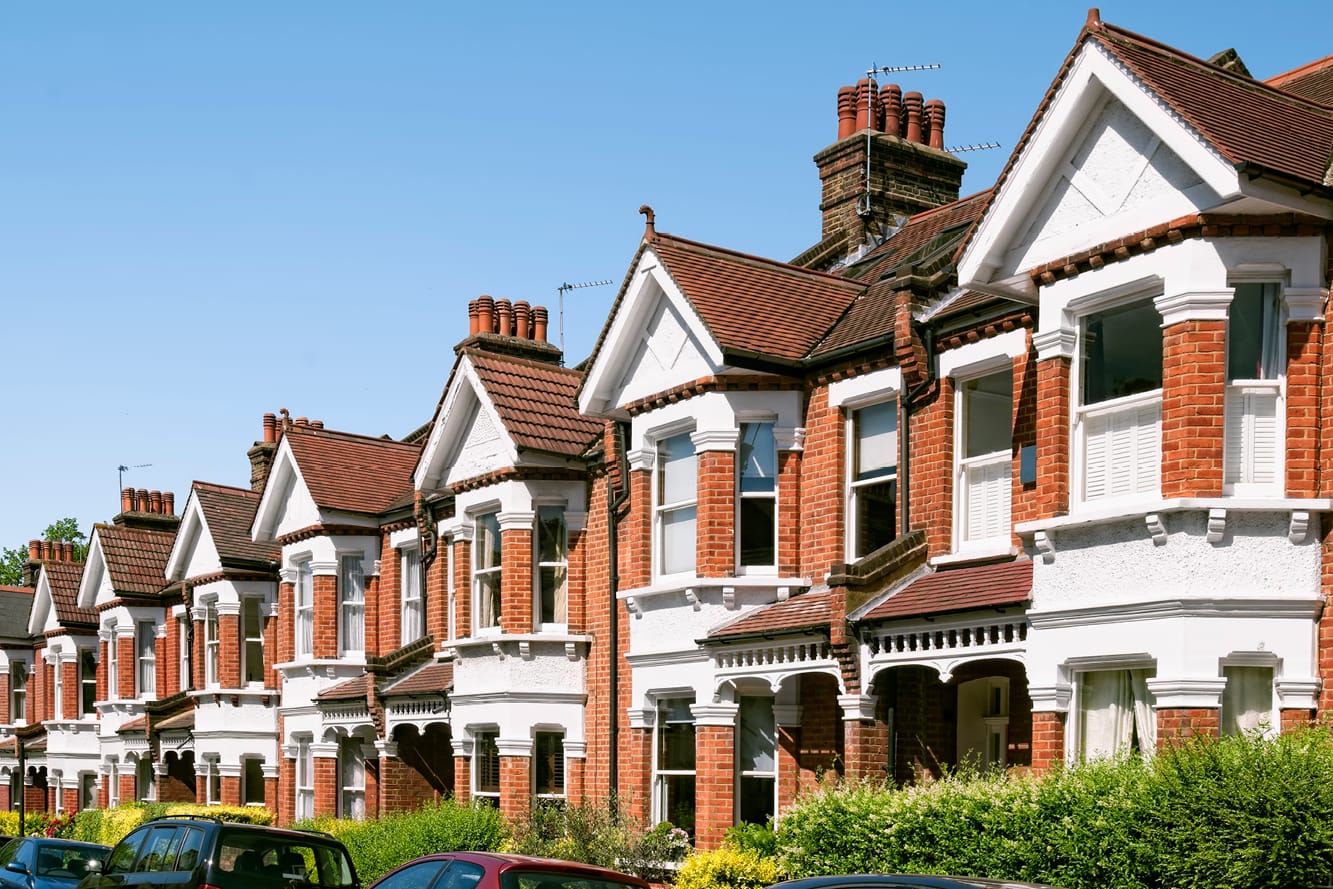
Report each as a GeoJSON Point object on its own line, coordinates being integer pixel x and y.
{"type": "Point", "coordinates": [65, 530]}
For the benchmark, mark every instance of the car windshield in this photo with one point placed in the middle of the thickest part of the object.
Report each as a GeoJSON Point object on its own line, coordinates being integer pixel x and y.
{"type": "Point", "coordinates": [252, 858]}
{"type": "Point", "coordinates": [58, 860]}
{"type": "Point", "coordinates": [523, 879]}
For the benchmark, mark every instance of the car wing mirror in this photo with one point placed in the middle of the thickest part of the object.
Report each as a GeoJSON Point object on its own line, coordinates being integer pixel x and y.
{"type": "Point", "coordinates": [92, 866]}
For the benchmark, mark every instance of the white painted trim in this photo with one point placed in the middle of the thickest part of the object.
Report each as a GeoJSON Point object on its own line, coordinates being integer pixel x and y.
{"type": "Point", "coordinates": [864, 389]}
{"type": "Point", "coordinates": [984, 356]}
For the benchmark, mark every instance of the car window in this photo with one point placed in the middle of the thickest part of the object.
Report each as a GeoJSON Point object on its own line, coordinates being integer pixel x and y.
{"type": "Point", "coordinates": [10, 850]}
{"type": "Point", "coordinates": [461, 875]}
{"type": "Point", "coordinates": [159, 852]}
{"type": "Point", "coordinates": [414, 876]}
{"type": "Point", "coordinates": [60, 860]}
{"type": "Point", "coordinates": [254, 858]}
{"type": "Point", "coordinates": [191, 848]}
{"type": "Point", "coordinates": [122, 857]}
{"type": "Point", "coordinates": [521, 879]}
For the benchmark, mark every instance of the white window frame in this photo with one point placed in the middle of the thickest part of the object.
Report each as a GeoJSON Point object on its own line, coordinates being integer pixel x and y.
{"type": "Point", "coordinates": [1270, 721]}
{"type": "Point", "coordinates": [996, 467]}
{"type": "Point", "coordinates": [57, 690]}
{"type": "Point", "coordinates": [303, 624]}
{"type": "Point", "coordinates": [248, 639]}
{"type": "Point", "coordinates": [212, 782]}
{"type": "Point", "coordinates": [746, 423]}
{"type": "Point", "coordinates": [562, 767]}
{"type": "Point", "coordinates": [112, 662]}
{"type": "Point", "coordinates": [484, 574]}
{"type": "Point", "coordinates": [212, 644]}
{"type": "Point", "coordinates": [87, 679]}
{"type": "Point", "coordinates": [1136, 421]}
{"type": "Point", "coordinates": [763, 775]}
{"type": "Point", "coordinates": [665, 511]}
{"type": "Point", "coordinates": [351, 605]}
{"type": "Point", "coordinates": [414, 619]}
{"type": "Point", "coordinates": [1076, 752]}
{"type": "Point", "coordinates": [351, 779]}
{"type": "Point", "coordinates": [145, 781]}
{"type": "Point", "coordinates": [488, 738]}
{"type": "Point", "coordinates": [662, 775]}
{"type": "Point", "coordinates": [145, 659]}
{"type": "Point", "coordinates": [113, 786]}
{"type": "Point", "coordinates": [855, 485]}
{"type": "Point", "coordinates": [1242, 472]}
{"type": "Point", "coordinates": [559, 566]}
{"type": "Point", "coordinates": [248, 782]}
{"type": "Point", "coordinates": [184, 653]}
{"type": "Point", "coordinates": [305, 778]}
{"type": "Point", "coordinates": [18, 692]}
{"type": "Point", "coordinates": [87, 794]}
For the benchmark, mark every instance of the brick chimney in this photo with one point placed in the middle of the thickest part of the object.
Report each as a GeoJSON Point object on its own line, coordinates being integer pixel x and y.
{"type": "Point", "coordinates": [262, 452]}
{"type": "Point", "coordinates": [909, 170]}
{"type": "Point", "coordinates": [517, 328]}
{"type": "Point", "coordinates": [150, 510]}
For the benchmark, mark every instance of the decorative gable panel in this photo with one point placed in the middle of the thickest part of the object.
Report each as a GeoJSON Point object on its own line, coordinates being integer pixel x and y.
{"type": "Point", "coordinates": [484, 448]}
{"type": "Point", "coordinates": [667, 355]}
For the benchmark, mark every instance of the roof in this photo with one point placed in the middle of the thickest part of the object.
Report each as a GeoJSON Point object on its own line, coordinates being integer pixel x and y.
{"type": "Point", "coordinates": [1245, 120]}
{"type": "Point", "coordinates": [352, 689]}
{"type": "Point", "coordinates": [179, 721]}
{"type": "Point", "coordinates": [536, 402]}
{"type": "Point", "coordinates": [15, 609]}
{"type": "Point", "coordinates": [63, 578]}
{"type": "Point", "coordinates": [139, 724]}
{"type": "Point", "coordinates": [755, 305]}
{"type": "Point", "coordinates": [800, 612]}
{"type": "Point", "coordinates": [959, 589]}
{"type": "Point", "coordinates": [1313, 81]}
{"type": "Point", "coordinates": [433, 678]}
{"type": "Point", "coordinates": [229, 513]}
{"type": "Point", "coordinates": [352, 473]}
{"type": "Point", "coordinates": [136, 558]}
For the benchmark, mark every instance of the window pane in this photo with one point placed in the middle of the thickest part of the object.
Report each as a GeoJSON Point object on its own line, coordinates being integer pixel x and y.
{"type": "Point", "coordinates": [757, 799]}
{"type": "Point", "coordinates": [988, 405]}
{"type": "Point", "coordinates": [351, 620]}
{"type": "Point", "coordinates": [758, 735]}
{"type": "Point", "coordinates": [554, 596]}
{"type": "Point", "coordinates": [252, 624]}
{"type": "Point", "coordinates": [488, 541]}
{"type": "Point", "coordinates": [876, 440]}
{"type": "Point", "coordinates": [1254, 333]}
{"type": "Point", "coordinates": [549, 751]}
{"type": "Point", "coordinates": [758, 531]}
{"type": "Point", "coordinates": [1247, 701]}
{"type": "Point", "coordinates": [1122, 352]}
{"type": "Point", "coordinates": [486, 763]}
{"type": "Point", "coordinates": [678, 475]}
{"type": "Point", "coordinates": [678, 550]}
{"type": "Point", "coordinates": [551, 534]}
{"type": "Point", "coordinates": [758, 458]}
{"type": "Point", "coordinates": [876, 516]}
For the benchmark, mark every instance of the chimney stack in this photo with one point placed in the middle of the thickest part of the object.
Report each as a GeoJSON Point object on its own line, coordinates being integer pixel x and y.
{"type": "Point", "coordinates": [261, 453]}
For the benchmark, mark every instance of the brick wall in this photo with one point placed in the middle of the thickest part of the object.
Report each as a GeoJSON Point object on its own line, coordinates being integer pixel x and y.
{"type": "Point", "coordinates": [1193, 398]}
{"type": "Point", "coordinates": [1177, 724]}
{"type": "Point", "coordinates": [1048, 741]}
{"type": "Point", "coordinates": [283, 800]}
{"type": "Point", "coordinates": [286, 643]}
{"type": "Point", "coordinates": [1052, 494]}
{"type": "Point", "coordinates": [715, 769]}
{"type": "Point", "coordinates": [326, 615]}
{"type": "Point", "coordinates": [384, 631]}
{"type": "Point", "coordinates": [515, 786]}
{"type": "Point", "coordinates": [437, 593]}
{"type": "Point", "coordinates": [1026, 503]}
{"type": "Point", "coordinates": [463, 780]}
{"type": "Point", "coordinates": [326, 785]}
{"type": "Point", "coordinates": [1303, 402]}
{"type": "Point", "coordinates": [516, 581]}
{"type": "Point", "coordinates": [715, 535]}
{"type": "Point", "coordinates": [823, 463]}
{"type": "Point", "coordinates": [422, 770]}
{"type": "Point", "coordinates": [930, 436]}
{"type": "Point", "coordinates": [229, 650]}
{"type": "Point", "coordinates": [178, 784]}
{"type": "Point", "coordinates": [168, 659]}
{"type": "Point", "coordinates": [69, 688]}
{"type": "Point", "coordinates": [127, 665]}
{"type": "Point", "coordinates": [463, 586]}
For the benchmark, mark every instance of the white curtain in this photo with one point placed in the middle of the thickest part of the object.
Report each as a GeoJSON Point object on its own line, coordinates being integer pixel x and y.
{"type": "Point", "coordinates": [1115, 711]}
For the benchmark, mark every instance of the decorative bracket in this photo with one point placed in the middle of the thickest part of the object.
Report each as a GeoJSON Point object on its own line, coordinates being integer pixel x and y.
{"type": "Point", "coordinates": [693, 598]}
{"type": "Point", "coordinates": [784, 593]}
{"type": "Point", "coordinates": [1156, 529]}
{"type": "Point", "coordinates": [633, 606]}
{"type": "Point", "coordinates": [498, 649]}
{"type": "Point", "coordinates": [571, 651]}
{"type": "Point", "coordinates": [1217, 526]}
{"type": "Point", "coordinates": [729, 597]}
{"type": "Point", "coordinates": [1299, 530]}
{"type": "Point", "coordinates": [1045, 545]}
{"type": "Point", "coordinates": [525, 649]}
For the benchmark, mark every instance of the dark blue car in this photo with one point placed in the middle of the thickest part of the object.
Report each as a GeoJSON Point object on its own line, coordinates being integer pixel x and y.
{"type": "Point", "coordinates": [46, 863]}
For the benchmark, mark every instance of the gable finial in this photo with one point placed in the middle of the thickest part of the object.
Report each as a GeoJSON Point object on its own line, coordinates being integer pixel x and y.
{"type": "Point", "coordinates": [649, 231]}
{"type": "Point", "coordinates": [1094, 17]}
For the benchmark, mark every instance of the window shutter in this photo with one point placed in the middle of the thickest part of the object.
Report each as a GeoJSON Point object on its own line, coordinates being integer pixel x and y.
{"type": "Point", "coordinates": [1123, 452]}
{"type": "Point", "coordinates": [1252, 455]}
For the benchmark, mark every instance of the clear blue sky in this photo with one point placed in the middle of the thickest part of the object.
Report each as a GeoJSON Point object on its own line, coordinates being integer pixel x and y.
{"type": "Point", "coordinates": [209, 211]}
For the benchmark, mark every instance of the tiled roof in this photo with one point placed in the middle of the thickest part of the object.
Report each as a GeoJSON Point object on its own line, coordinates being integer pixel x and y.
{"type": "Point", "coordinates": [352, 473]}
{"type": "Point", "coordinates": [136, 558]}
{"type": "Point", "coordinates": [433, 678]}
{"type": "Point", "coordinates": [15, 609]}
{"type": "Point", "coordinates": [346, 691]}
{"type": "Point", "coordinates": [1247, 121]}
{"type": "Point", "coordinates": [756, 305]}
{"type": "Point", "coordinates": [535, 401]}
{"type": "Point", "coordinates": [1313, 81]}
{"type": "Point", "coordinates": [133, 726]}
{"type": "Point", "coordinates": [64, 578]}
{"type": "Point", "coordinates": [961, 589]}
{"type": "Point", "coordinates": [181, 720]}
{"type": "Point", "coordinates": [230, 513]}
{"type": "Point", "coordinates": [804, 611]}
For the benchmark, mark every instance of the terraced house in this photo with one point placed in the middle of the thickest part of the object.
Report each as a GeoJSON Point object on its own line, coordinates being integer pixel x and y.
{"type": "Point", "coordinates": [1014, 479]}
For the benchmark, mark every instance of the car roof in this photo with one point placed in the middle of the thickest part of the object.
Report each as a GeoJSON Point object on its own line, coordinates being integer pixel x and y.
{"type": "Point", "coordinates": [923, 881]}
{"type": "Point", "coordinates": [246, 827]}
{"type": "Point", "coordinates": [50, 841]}
{"type": "Point", "coordinates": [509, 859]}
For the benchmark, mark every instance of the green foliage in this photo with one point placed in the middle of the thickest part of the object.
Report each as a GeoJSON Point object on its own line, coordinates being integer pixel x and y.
{"type": "Point", "coordinates": [601, 832]}
{"type": "Point", "coordinates": [11, 566]}
{"type": "Point", "coordinates": [12, 561]}
{"type": "Point", "coordinates": [379, 845]}
{"type": "Point", "coordinates": [728, 867]}
{"type": "Point", "coordinates": [758, 838]}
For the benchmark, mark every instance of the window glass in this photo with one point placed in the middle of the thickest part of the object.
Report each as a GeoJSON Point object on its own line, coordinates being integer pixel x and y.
{"type": "Point", "coordinates": [756, 760]}
{"type": "Point", "coordinates": [253, 791]}
{"type": "Point", "coordinates": [351, 619]}
{"type": "Point", "coordinates": [487, 569]}
{"type": "Point", "coordinates": [9, 851]}
{"type": "Point", "coordinates": [1122, 352]}
{"type": "Point", "coordinates": [461, 875]}
{"type": "Point", "coordinates": [191, 849]}
{"type": "Point", "coordinates": [758, 461]}
{"type": "Point", "coordinates": [159, 852]}
{"type": "Point", "coordinates": [552, 565]}
{"type": "Point", "coordinates": [988, 406]}
{"type": "Point", "coordinates": [485, 764]}
{"type": "Point", "coordinates": [87, 682]}
{"type": "Point", "coordinates": [212, 643]}
{"type": "Point", "coordinates": [411, 594]}
{"type": "Point", "coordinates": [1116, 713]}
{"type": "Point", "coordinates": [1247, 701]}
{"type": "Point", "coordinates": [873, 497]}
{"type": "Point", "coordinates": [1254, 328]}
{"type": "Point", "coordinates": [414, 876]}
{"type": "Point", "coordinates": [549, 764]}
{"type": "Point", "coordinates": [677, 490]}
{"type": "Point", "coordinates": [18, 688]}
{"type": "Point", "coordinates": [675, 789]}
{"type": "Point", "coordinates": [248, 859]}
{"type": "Point", "coordinates": [305, 611]}
{"type": "Point", "coordinates": [518, 879]}
{"type": "Point", "coordinates": [147, 651]}
{"type": "Point", "coordinates": [252, 628]}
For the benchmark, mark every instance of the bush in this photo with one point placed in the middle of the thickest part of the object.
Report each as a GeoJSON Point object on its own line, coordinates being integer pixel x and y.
{"type": "Point", "coordinates": [728, 867]}
{"type": "Point", "coordinates": [601, 832]}
{"type": "Point", "coordinates": [759, 838]}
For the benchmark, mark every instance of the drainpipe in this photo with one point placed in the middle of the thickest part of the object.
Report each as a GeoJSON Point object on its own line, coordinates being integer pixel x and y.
{"type": "Point", "coordinates": [906, 407]}
{"type": "Point", "coordinates": [616, 509]}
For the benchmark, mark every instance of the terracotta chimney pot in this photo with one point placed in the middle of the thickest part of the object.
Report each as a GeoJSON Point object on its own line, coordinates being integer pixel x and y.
{"type": "Point", "coordinates": [846, 111]}
{"type": "Point", "coordinates": [539, 323]}
{"type": "Point", "coordinates": [522, 318]}
{"type": "Point", "coordinates": [473, 322]}
{"type": "Point", "coordinates": [504, 310]}
{"type": "Point", "coordinates": [317, 424]}
{"type": "Point", "coordinates": [141, 500]}
{"type": "Point", "coordinates": [48, 550]}
{"type": "Point", "coordinates": [168, 503]}
{"type": "Point", "coordinates": [935, 118]}
{"type": "Point", "coordinates": [67, 551]}
{"type": "Point", "coordinates": [892, 98]}
{"type": "Point", "coordinates": [34, 550]}
{"type": "Point", "coordinates": [485, 314]}
{"type": "Point", "coordinates": [862, 105]}
{"type": "Point", "coordinates": [270, 428]}
{"type": "Point", "coordinates": [155, 502]}
{"type": "Point", "coordinates": [127, 500]}
{"type": "Point", "coordinates": [912, 102]}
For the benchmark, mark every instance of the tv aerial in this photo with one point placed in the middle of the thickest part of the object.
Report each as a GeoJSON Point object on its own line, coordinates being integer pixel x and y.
{"type": "Point", "coordinates": [122, 469]}
{"type": "Point", "coordinates": [567, 286]}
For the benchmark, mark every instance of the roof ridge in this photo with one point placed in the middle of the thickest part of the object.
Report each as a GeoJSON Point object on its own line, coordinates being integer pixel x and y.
{"type": "Point", "coordinates": [952, 205]}
{"type": "Point", "coordinates": [318, 432]}
{"type": "Point", "coordinates": [1299, 71]}
{"type": "Point", "coordinates": [218, 486]}
{"type": "Point", "coordinates": [795, 269]}
{"type": "Point", "coordinates": [515, 359]}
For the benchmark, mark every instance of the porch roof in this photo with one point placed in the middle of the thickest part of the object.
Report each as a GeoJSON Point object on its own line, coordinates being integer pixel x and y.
{"type": "Point", "coordinates": [434, 678]}
{"type": "Point", "coordinates": [345, 691]}
{"type": "Point", "coordinates": [801, 612]}
{"type": "Point", "coordinates": [959, 589]}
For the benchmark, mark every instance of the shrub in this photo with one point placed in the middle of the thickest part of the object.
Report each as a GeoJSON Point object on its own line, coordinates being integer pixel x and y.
{"type": "Point", "coordinates": [758, 838]}
{"type": "Point", "coordinates": [728, 867]}
{"type": "Point", "coordinates": [600, 832]}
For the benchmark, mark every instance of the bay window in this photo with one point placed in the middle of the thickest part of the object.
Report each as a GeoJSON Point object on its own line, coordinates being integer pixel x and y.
{"type": "Point", "coordinates": [674, 763]}
{"type": "Point", "coordinates": [548, 765]}
{"type": "Point", "coordinates": [756, 761]}
{"type": "Point", "coordinates": [756, 497]}
{"type": "Point", "coordinates": [1247, 700]}
{"type": "Point", "coordinates": [252, 642]}
{"type": "Point", "coordinates": [486, 768]}
{"type": "Point", "coordinates": [1115, 714]}
{"type": "Point", "coordinates": [412, 628]}
{"type": "Point", "coordinates": [872, 496]}
{"type": "Point", "coordinates": [351, 605]}
{"type": "Point", "coordinates": [1119, 418]}
{"type": "Point", "coordinates": [87, 682]}
{"type": "Point", "coordinates": [1252, 461]}
{"type": "Point", "coordinates": [552, 566]}
{"type": "Point", "coordinates": [146, 647]}
{"type": "Point", "coordinates": [486, 570]}
{"type": "Point", "coordinates": [212, 644]}
{"type": "Point", "coordinates": [984, 459]}
{"type": "Point", "coordinates": [675, 511]}
{"type": "Point", "coordinates": [305, 611]}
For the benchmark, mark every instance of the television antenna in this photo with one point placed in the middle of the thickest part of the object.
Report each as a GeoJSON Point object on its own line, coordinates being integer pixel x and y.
{"type": "Point", "coordinates": [864, 204]}
{"type": "Point", "coordinates": [122, 469]}
{"type": "Point", "coordinates": [567, 286]}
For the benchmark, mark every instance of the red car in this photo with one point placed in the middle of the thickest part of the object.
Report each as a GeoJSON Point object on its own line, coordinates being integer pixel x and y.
{"type": "Point", "coordinates": [495, 870]}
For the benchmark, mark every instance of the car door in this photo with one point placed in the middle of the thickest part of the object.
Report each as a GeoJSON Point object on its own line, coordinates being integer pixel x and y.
{"type": "Point", "coordinates": [120, 863]}
{"type": "Point", "coordinates": [15, 864]}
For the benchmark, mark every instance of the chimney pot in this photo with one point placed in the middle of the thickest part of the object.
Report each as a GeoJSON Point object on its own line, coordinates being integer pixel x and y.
{"type": "Point", "coordinates": [522, 317]}
{"type": "Point", "coordinates": [34, 550]}
{"type": "Point", "coordinates": [127, 500]}
{"type": "Point", "coordinates": [302, 421]}
{"type": "Point", "coordinates": [935, 120]}
{"type": "Point", "coordinates": [891, 96]}
{"type": "Point", "coordinates": [473, 323]}
{"type": "Point", "coordinates": [862, 105]}
{"type": "Point", "coordinates": [504, 310]}
{"type": "Point", "coordinates": [67, 551]}
{"type": "Point", "coordinates": [155, 502]}
{"type": "Point", "coordinates": [846, 111]}
{"type": "Point", "coordinates": [141, 500]}
{"type": "Point", "coordinates": [270, 428]}
{"type": "Point", "coordinates": [539, 323]}
{"type": "Point", "coordinates": [168, 503]}
{"type": "Point", "coordinates": [48, 550]}
{"type": "Point", "coordinates": [485, 314]}
{"type": "Point", "coordinates": [317, 424]}
{"type": "Point", "coordinates": [912, 102]}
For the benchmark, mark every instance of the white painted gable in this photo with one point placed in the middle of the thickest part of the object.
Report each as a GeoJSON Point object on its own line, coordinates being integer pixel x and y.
{"type": "Point", "coordinates": [193, 553]}
{"type": "Point", "coordinates": [655, 342]}
{"type": "Point", "coordinates": [468, 439]}
{"type": "Point", "coordinates": [286, 504]}
{"type": "Point", "coordinates": [1106, 158]}
{"type": "Point", "coordinates": [43, 614]}
{"type": "Point", "coordinates": [95, 584]}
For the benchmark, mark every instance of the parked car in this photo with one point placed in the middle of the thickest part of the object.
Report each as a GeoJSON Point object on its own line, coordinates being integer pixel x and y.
{"type": "Point", "coordinates": [46, 863]}
{"type": "Point", "coordinates": [902, 881]}
{"type": "Point", "coordinates": [193, 851]}
{"type": "Point", "coordinates": [493, 870]}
